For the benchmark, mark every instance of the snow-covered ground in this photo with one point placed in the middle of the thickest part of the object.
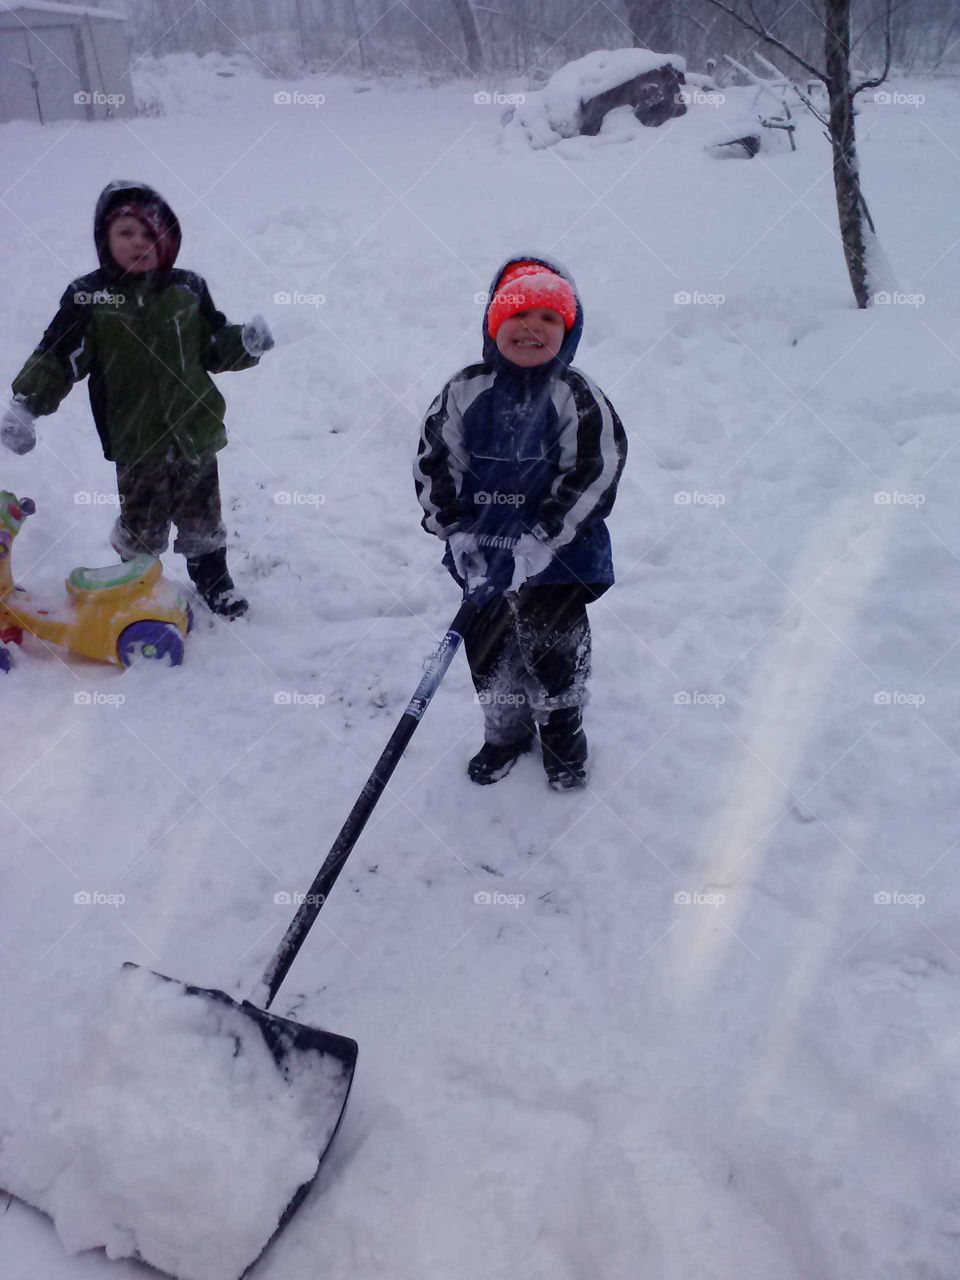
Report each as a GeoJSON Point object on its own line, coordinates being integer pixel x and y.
{"type": "Point", "coordinates": [709, 1032]}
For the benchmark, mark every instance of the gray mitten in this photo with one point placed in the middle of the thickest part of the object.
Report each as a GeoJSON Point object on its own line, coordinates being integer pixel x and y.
{"type": "Point", "coordinates": [468, 560]}
{"type": "Point", "coordinates": [17, 432]}
{"type": "Point", "coordinates": [256, 336]}
{"type": "Point", "coordinates": [530, 558]}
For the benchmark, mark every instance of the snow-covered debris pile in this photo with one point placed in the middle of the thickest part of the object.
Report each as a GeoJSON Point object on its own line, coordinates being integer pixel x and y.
{"type": "Point", "coordinates": [175, 1138]}
{"type": "Point", "coordinates": [183, 84]}
{"type": "Point", "coordinates": [578, 96]}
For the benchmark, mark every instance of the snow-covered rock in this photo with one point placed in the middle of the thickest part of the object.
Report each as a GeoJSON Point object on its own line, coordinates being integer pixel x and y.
{"type": "Point", "coordinates": [554, 112]}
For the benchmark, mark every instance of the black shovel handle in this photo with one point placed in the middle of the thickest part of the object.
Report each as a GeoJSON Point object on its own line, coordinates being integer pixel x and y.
{"type": "Point", "coordinates": [326, 878]}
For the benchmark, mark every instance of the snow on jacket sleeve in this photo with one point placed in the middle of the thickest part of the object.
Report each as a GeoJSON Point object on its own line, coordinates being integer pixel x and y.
{"type": "Point", "coordinates": [225, 350]}
{"type": "Point", "coordinates": [593, 450]}
{"type": "Point", "coordinates": [440, 464]}
{"type": "Point", "coordinates": [61, 358]}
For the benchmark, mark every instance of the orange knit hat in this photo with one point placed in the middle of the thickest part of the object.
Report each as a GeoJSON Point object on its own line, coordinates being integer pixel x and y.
{"type": "Point", "coordinates": [525, 285]}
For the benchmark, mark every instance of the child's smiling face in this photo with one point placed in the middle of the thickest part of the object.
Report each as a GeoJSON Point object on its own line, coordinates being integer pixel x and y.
{"type": "Point", "coordinates": [531, 338]}
{"type": "Point", "coordinates": [131, 246]}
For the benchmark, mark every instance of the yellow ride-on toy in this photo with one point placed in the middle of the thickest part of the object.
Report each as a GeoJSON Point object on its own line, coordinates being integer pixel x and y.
{"type": "Point", "coordinates": [118, 614]}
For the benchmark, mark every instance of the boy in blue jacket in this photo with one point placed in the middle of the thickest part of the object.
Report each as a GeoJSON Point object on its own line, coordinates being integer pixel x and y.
{"type": "Point", "coordinates": [524, 447]}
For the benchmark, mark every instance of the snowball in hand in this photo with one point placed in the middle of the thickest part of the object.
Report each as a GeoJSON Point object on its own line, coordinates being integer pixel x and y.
{"type": "Point", "coordinates": [177, 1138]}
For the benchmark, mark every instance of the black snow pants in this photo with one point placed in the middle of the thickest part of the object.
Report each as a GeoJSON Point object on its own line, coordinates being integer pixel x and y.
{"type": "Point", "coordinates": [529, 655]}
{"type": "Point", "coordinates": [156, 492]}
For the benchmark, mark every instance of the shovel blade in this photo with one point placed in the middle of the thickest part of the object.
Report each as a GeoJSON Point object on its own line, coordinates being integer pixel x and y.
{"type": "Point", "coordinates": [295, 1049]}
{"type": "Point", "coordinates": [188, 1130]}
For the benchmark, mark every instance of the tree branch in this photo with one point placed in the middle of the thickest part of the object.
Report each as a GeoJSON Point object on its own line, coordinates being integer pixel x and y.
{"type": "Point", "coordinates": [760, 30]}
{"type": "Point", "coordinates": [801, 93]}
{"type": "Point", "coordinates": [888, 46]}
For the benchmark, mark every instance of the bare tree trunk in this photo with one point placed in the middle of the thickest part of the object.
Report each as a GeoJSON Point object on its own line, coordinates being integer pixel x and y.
{"type": "Point", "coordinates": [359, 31]}
{"type": "Point", "coordinates": [846, 177]}
{"type": "Point", "coordinates": [851, 206]}
{"type": "Point", "coordinates": [303, 39]}
{"type": "Point", "coordinates": [652, 24]}
{"type": "Point", "coordinates": [947, 40]}
{"type": "Point", "coordinates": [471, 34]}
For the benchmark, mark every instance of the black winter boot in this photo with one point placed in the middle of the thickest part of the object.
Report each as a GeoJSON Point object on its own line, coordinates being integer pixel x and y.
{"type": "Point", "coordinates": [564, 749]}
{"type": "Point", "coordinates": [491, 763]}
{"type": "Point", "coordinates": [210, 575]}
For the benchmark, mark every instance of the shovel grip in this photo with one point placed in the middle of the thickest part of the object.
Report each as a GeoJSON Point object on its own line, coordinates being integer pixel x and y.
{"type": "Point", "coordinates": [326, 878]}
{"type": "Point", "coordinates": [497, 542]}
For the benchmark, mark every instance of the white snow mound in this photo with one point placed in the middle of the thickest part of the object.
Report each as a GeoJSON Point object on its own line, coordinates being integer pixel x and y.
{"type": "Point", "coordinates": [553, 112]}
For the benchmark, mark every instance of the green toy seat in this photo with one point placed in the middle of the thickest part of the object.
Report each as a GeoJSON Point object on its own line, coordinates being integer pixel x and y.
{"type": "Point", "coordinates": [112, 575]}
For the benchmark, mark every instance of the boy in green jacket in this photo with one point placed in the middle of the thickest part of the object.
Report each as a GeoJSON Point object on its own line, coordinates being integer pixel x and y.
{"type": "Point", "coordinates": [148, 336]}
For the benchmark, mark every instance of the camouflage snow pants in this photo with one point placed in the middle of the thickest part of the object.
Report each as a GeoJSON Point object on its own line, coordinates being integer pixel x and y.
{"type": "Point", "coordinates": [529, 654]}
{"type": "Point", "coordinates": [156, 492]}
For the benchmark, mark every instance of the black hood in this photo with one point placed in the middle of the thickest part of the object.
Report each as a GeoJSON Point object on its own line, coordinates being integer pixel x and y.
{"type": "Point", "coordinates": [118, 193]}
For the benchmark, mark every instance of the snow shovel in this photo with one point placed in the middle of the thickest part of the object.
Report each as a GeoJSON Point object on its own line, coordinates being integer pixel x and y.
{"type": "Point", "coordinates": [290, 1044]}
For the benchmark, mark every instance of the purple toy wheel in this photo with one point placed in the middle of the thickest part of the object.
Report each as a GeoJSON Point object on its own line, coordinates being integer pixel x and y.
{"type": "Point", "coordinates": [158, 641]}
{"type": "Point", "coordinates": [6, 662]}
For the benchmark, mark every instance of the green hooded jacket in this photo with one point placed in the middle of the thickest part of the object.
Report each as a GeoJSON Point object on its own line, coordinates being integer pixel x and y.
{"type": "Point", "coordinates": [148, 342]}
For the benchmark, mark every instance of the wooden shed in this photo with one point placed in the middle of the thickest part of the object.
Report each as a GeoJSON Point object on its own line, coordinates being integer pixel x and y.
{"type": "Point", "coordinates": [63, 62]}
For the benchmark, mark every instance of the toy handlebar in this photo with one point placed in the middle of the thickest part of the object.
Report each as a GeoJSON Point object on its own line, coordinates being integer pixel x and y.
{"type": "Point", "coordinates": [28, 506]}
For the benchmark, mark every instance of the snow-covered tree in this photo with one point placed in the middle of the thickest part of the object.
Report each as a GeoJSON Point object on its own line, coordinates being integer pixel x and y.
{"type": "Point", "coordinates": [843, 85]}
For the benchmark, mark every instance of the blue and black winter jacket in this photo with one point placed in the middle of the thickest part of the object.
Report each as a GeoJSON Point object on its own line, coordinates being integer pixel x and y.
{"type": "Point", "coordinates": [505, 451]}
